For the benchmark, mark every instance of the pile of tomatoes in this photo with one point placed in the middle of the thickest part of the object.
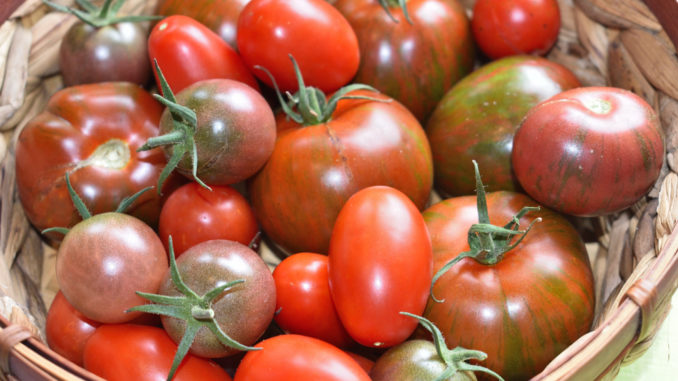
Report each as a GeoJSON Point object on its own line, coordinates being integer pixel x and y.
{"type": "Point", "coordinates": [325, 125]}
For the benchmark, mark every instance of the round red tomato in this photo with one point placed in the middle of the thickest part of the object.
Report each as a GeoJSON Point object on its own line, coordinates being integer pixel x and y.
{"type": "Point", "coordinates": [589, 151]}
{"type": "Point", "coordinates": [312, 31]}
{"type": "Point", "coordinates": [303, 302]}
{"type": "Point", "coordinates": [193, 214]}
{"type": "Point", "coordinates": [507, 27]}
{"type": "Point", "coordinates": [67, 330]}
{"type": "Point", "coordinates": [141, 353]}
{"type": "Point", "coordinates": [188, 52]}
{"type": "Point", "coordinates": [295, 357]}
{"type": "Point", "coordinates": [380, 264]}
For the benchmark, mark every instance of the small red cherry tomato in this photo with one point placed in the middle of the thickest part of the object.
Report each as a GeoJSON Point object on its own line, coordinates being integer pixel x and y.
{"type": "Point", "coordinates": [67, 330]}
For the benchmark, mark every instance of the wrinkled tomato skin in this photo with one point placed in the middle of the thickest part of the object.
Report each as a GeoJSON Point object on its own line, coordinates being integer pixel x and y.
{"type": "Point", "coordinates": [126, 352]}
{"type": "Point", "coordinates": [304, 304]}
{"type": "Point", "coordinates": [295, 357]}
{"type": "Point", "coordinates": [380, 264]}
{"type": "Point", "coordinates": [188, 52]}
{"type": "Point", "coordinates": [478, 117]}
{"type": "Point", "coordinates": [221, 16]}
{"type": "Point", "coordinates": [77, 121]}
{"type": "Point", "coordinates": [532, 304]}
{"type": "Point", "coordinates": [314, 169]}
{"type": "Point", "coordinates": [580, 160]}
{"type": "Point", "coordinates": [193, 214]}
{"type": "Point", "coordinates": [104, 260]}
{"type": "Point", "coordinates": [312, 31]}
{"type": "Point", "coordinates": [508, 27]}
{"type": "Point", "coordinates": [414, 63]}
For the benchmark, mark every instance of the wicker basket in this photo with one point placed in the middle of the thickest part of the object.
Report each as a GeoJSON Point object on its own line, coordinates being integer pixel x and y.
{"type": "Point", "coordinates": [616, 42]}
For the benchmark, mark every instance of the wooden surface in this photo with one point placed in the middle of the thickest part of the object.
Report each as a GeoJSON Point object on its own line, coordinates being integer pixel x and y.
{"type": "Point", "coordinates": [666, 12]}
{"type": "Point", "coordinates": [7, 7]}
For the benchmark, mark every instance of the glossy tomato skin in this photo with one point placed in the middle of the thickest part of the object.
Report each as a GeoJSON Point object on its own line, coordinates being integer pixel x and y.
{"type": "Point", "coordinates": [235, 133]}
{"type": "Point", "coordinates": [295, 357]}
{"type": "Point", "coordinates": [67, 330]}
{"type": "Point", "coordinates": [314, 169]}
{"type": "Point", "coordinates": [104, 260]}
{"type": "Point", "coordinates": [508, 27]}
{"type": "Point", "coordinates": [589, 151]}
{"type": "Point", "coordinates": [188, 52]}
{"type": "Point", "coordinates": [243, 312]}
{"type": "Point", "coordinates": [193, 214]}
{"type": "Point", "coordinates": [93, 131]}
{"type": "Point", "coordinates": [380, 264]}
{"type": "Point", "coordinates": [221, 16]}
{"type": "Point", "coordinates": [478, 117]}
{"type": "Point", "coordinates": [312, 31]}
{"type": "Point", "coordinates": [303, 301]}
{"type": "Point", "coordinates": [124, 352]}
{"type": "Point", "coordinates": [533, 304]}
{"type": "Point", "coordinates": [414, 63]}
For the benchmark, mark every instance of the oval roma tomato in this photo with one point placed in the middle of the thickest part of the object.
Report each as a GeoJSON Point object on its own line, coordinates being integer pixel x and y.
{"type": "Point", "coordinates": [314, 169]}
{"type": "Point", "coordinates": [312, 31]}
{"type": "Point", "coordinates": [415, 63]}
{"type": "Point", "coordinates": [193, 214]}
{"type": "Point", "coordinates": [127, 352]}
{"type": "Point", "coordinates": [525, 309]}
{"type": "Point", "coordinates": [380, 264]}
{"type": "Point", "coordinates": [188, 52]}
{"type": "Point", "coordinates": [295, 357]}
{"type": "Point", "coordinates": [589, 151]}
{"type": "Point", "coordinates": [304, 304]}
{"type": "Point", "coordinates": [477, 118]}
{"type": "Point", "coordinates": [67, 330]}
{"type": "Point", "coordinates": [508, 27]}
{"type": "Point", "coordinates": [93, 132]}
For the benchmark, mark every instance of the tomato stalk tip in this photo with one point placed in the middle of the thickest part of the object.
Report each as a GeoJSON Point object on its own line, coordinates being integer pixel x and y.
{"type": "Point", "coordinates": [100, 17]}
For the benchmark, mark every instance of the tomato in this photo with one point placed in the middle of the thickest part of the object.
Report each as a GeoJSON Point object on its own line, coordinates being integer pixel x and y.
{"type": "Point", "coordinates": [295, 357]}
{"type": "Point", "coordinates": [363, 361]}
{"type": "Point", "coordinates": [193, 214]}
{"type": "Point", "coordinates": [92, 131]}
{"type": "Point", "coordinates": [134, 352]}
{"type": "Point", "coordinates": [507, 27]}
{"type": "Point", "coordinates": [312, 31]}
{"type": "Point", "coordinates": [536, 300]}
{"type": "Point", "coordinates": [221, 16]}
{"type": "Point", "coordinates": [104, 260]}
{"type": "Point", "coordinates": [67, 330]}
{"type": "Point", "coordinates": [478, 117]}
{"type": "Point", "coordinates": [315, 168]}
{"type": "Point", "coordinates": [415, 63]}
{"type": "Point", "coordinates": [380, 264]}
{"type": "Point", "coordinates": [589, 151]}
{"type": "Point", "coordinates": [188, 52]}
{"type": "Point", "coordinates": [303, 302]}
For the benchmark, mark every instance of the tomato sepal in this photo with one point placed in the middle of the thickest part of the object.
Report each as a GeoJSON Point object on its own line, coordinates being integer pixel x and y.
{"type": "Point", "coordinates": [100, 17]}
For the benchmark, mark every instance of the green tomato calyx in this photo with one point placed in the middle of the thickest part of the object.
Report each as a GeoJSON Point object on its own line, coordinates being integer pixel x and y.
{"type": "Point", "coordinates": [402, 4]}
{"type": "Point", "coordinates": [100, 17]}
{"type": "Point", "coordinates": [488, 242]}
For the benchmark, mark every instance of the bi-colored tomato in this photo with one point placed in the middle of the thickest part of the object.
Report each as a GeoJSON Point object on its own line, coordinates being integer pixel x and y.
{"type": "Point", "coordinates": [67, 330]}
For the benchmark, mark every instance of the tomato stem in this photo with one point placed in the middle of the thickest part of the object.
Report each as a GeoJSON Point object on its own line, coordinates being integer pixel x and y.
{"type": "Point", "coordinates": [100, 17]}
{"type": "Point", "coordinates": [388, 4]}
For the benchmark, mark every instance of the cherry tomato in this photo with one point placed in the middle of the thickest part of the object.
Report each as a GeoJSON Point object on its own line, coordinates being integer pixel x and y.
{"type": "Point", "coordinates": [67, 330]}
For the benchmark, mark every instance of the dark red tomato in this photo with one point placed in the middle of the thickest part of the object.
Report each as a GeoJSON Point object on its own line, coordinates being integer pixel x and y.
{"type": "Point", "coordinates": [67, 330]}
{"type": "Point", "coordinates": [312, 31]}
{"type": "Point", "coordinates": [414, 63]}
{"type": "Point", "coordinates": [188, 52]}
{"type": "Point", "coordinates": [135, 352]}
{"type": "Point", "coordinates": [92, 131]}
{"type": "Point", "coordinates": [477, 118]}
{"type": "Point", "coordinates": [589, 151]}
{"type": "Point", "coordinates": [380, 264]}
{"type": "Point", "coordinates": [104, 260]}
{"type": "Point", "coordinates": [303, 302]}
{"type": "Point", "coordinates": [314, 169]}
{"type": "Point", "coordinates": [522, 311]}
{"type": "Point", "coordinates": [221, 16]}
{"type": "Point", "coordinates": [295, 357]}
{"type": "Point", "coordinates": [508, 27]}
{"type": "Point", "coordinates": [193, 214]}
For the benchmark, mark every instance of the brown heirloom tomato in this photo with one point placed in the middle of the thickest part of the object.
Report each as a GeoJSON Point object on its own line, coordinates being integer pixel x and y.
{"type": "Point", "coordinates": [477, 118]}
{"type": "Point", "coordinates": [417, 62]}
{"type": "Point", "coordinates": [93, 132]}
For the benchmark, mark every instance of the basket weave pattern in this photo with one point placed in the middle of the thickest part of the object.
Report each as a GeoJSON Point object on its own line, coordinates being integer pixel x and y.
{"type": "Point", "coordinates": [634, 253]}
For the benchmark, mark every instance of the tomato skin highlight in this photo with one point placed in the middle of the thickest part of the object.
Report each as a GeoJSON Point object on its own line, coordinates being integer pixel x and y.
{"type": "Point", "coordinates": [380, 264]}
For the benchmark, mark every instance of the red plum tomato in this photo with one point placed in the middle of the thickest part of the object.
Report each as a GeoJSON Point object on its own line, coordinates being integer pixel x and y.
{"type": "Point", "coordinates": [67, 330]}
